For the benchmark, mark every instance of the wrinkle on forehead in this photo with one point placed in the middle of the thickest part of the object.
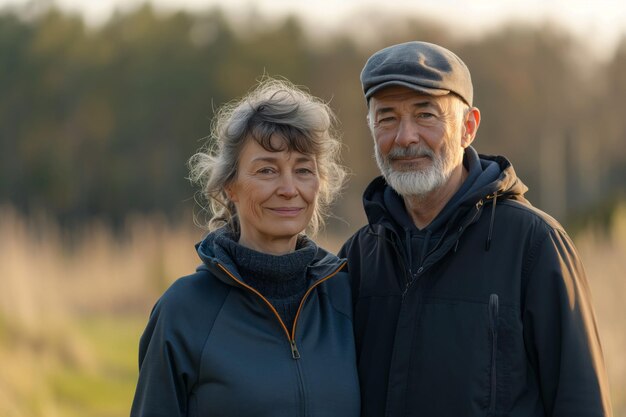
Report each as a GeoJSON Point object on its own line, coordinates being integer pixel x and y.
{"type": "Point", "coordinates": [394, 97]}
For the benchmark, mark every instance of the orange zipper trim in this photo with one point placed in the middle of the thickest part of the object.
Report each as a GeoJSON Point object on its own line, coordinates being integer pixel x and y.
{"type": "Point", "coordinates": [306, 294]}
{"type": "Point", "coordinates": [291, 337]}
{"type": "Point", "coordinates": [243, 284]}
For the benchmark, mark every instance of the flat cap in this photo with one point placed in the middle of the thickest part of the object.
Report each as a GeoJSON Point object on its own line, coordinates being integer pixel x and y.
{"type": "Point", "coordinates": [421, 66]}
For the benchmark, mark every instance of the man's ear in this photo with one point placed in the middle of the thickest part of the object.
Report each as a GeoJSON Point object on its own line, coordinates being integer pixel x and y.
{"type": "Point", "coordinates": [470, 126]}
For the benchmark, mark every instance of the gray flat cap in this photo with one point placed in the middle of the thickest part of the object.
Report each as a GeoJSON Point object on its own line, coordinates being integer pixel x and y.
{"type": "Point", "coordinates": [421, 66]}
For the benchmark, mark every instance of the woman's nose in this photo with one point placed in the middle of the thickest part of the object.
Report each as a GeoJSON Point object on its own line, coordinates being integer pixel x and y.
{"type": "Point", "coordinates": [287, 187]}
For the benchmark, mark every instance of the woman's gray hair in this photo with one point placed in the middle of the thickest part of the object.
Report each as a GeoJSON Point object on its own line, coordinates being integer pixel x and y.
{"type": "Point", "coordinates": [274, 107]}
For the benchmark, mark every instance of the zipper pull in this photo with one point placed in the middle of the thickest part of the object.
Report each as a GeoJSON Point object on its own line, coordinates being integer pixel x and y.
{"type": "Point", "coordinates": [413, 279]}
{"type": "Point", "coordinates": [493, 313]}
{"type": "Point", "coordinates": [406, 289]}
{"type": "Point", "coordinates": [294, 350]}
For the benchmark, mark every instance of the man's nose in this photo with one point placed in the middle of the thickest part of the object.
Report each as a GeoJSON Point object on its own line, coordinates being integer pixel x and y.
{"type": "Point", "coordinates": [408, 133]}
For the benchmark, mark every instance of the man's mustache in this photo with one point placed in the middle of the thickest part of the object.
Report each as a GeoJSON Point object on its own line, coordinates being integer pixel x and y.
{"type": "Point", "coordinates": [413, 151]}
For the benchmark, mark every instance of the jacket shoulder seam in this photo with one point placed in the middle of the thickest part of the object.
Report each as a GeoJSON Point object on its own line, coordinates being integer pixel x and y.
{"type": "Point", "coordinates": [223, 297]}
{"type": "Point", "coordinates": [544, 218]}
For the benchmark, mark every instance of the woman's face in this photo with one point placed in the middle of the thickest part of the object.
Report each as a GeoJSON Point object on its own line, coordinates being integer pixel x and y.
{"type": "Point", "coordinates": [275, 194]}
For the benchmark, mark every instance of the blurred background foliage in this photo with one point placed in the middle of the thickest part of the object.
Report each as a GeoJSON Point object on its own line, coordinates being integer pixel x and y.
{"type": "Point", "coordinates": [97, 123]}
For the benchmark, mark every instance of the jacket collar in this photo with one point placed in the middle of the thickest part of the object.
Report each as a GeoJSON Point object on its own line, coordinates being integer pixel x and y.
{"type": "Point", "coordinates": [323, 264]}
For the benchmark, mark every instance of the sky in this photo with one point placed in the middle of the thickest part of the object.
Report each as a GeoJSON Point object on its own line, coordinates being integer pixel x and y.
{"type": "Point", "coordinates": [600, 23]}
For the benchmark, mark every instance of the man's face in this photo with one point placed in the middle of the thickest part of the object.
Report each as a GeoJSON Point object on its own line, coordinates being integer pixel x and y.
{"type": "Point", "coordinates": [418, 138]}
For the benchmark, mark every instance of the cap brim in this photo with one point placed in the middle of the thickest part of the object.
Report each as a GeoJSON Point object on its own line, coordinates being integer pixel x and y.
{"type": "Point", "coordinates": [418, 88]}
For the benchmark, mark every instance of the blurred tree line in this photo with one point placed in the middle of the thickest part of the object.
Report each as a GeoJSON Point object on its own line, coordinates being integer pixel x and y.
{"type": "Point", "coordinates": [99, 122]}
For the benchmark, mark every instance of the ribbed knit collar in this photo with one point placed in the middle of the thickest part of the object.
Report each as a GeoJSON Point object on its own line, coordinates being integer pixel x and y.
{"type": "Point", "coordinates": [275, 276]}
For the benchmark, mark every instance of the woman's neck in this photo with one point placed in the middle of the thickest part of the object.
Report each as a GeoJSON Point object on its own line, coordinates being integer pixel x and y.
{"type": "Point", "coordinates": [272, 246]}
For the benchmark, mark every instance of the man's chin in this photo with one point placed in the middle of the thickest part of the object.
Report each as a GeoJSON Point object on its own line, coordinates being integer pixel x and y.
{"type": "Point", "coordinates": [412, 165]}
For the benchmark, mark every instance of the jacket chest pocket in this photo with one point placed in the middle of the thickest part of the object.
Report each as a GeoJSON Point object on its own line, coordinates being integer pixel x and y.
{"type": "Point", "coordinates": [460, 351]}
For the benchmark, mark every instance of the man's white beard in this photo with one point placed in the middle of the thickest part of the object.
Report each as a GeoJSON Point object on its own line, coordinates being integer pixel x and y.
{"type": "Point", "coordinates": [420, 181]}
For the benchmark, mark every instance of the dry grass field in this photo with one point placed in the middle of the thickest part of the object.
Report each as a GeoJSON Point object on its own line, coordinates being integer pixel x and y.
{"type": "Point", "coordinates": [72, 308]}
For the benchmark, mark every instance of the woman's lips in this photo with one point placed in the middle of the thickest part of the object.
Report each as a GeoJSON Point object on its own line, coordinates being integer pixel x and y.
{"type": "Point", "coordinates": [287, 211]}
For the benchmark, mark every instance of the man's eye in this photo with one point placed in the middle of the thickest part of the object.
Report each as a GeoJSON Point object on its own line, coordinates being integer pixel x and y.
{"type": "Point", "coordinates": [425, 115]}
{"type": "Point", "coordinates": [388, 119]}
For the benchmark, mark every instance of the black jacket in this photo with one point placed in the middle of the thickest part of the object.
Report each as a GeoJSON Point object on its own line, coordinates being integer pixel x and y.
{"type": "Point", "coordinates": [494, 319]}
{"type": "Point", "coordinates": [214, 347]}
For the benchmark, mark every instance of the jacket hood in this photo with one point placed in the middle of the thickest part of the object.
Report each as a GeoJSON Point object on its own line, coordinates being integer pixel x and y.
{"type": "Point", "coordinates": [324, 263]}
{"type": "Point", "coordinates": [498, 178]}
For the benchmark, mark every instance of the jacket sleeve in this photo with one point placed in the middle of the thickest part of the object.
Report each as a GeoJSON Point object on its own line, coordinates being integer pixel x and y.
{"type": "Point", "coordinates": [560, 331]}
{"type": "Point", "coordinates": [166, 371]}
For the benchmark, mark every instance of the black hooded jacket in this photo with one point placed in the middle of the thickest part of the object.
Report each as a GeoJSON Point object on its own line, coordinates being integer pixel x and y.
{"type": "Point", "coordinates": [215, 347]}
{"type": "Point", "coordinates": [484, 312]}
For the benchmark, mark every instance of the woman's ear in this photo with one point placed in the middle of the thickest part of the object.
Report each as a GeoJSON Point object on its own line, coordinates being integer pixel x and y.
{"type": "Point", "coordinates": [231, 193]}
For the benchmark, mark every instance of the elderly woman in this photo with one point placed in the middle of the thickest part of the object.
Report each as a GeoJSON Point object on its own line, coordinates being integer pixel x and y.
{"type": "Point", "coordinates": [264, 326]}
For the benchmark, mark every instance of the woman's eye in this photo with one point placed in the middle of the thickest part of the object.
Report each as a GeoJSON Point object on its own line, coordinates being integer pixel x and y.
{"type": "Point", "coordinates": [265, 171]}
{"type": "Point", "coordinates": [305, 171]}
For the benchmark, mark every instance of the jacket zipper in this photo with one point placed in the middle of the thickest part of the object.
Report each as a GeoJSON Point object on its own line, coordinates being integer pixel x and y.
{"type": "Point", "coordinates": [295, 354]}
{"type": "Point", "coordinates": [303, 407]}
{"type": "Point", "coordinates": [493, 326]}
{"type": "Point", "coordinates": [410, 277]}
{"type": "Point", "coordinates": [408, 274]}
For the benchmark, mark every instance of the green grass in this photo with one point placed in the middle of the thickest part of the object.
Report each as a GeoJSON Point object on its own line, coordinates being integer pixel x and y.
{"type": "Point", "coordinates": [115, 339]}
{"type": "Point", "coordinates": [107, 388]}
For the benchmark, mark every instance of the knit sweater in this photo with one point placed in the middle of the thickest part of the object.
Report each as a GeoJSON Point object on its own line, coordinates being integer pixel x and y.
{"type": "Point", "coordinates": [282, 279]}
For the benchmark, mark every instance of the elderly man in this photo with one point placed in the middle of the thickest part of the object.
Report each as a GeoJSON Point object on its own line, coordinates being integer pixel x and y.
{"type": "Point", "coordinates": [468, 300]}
